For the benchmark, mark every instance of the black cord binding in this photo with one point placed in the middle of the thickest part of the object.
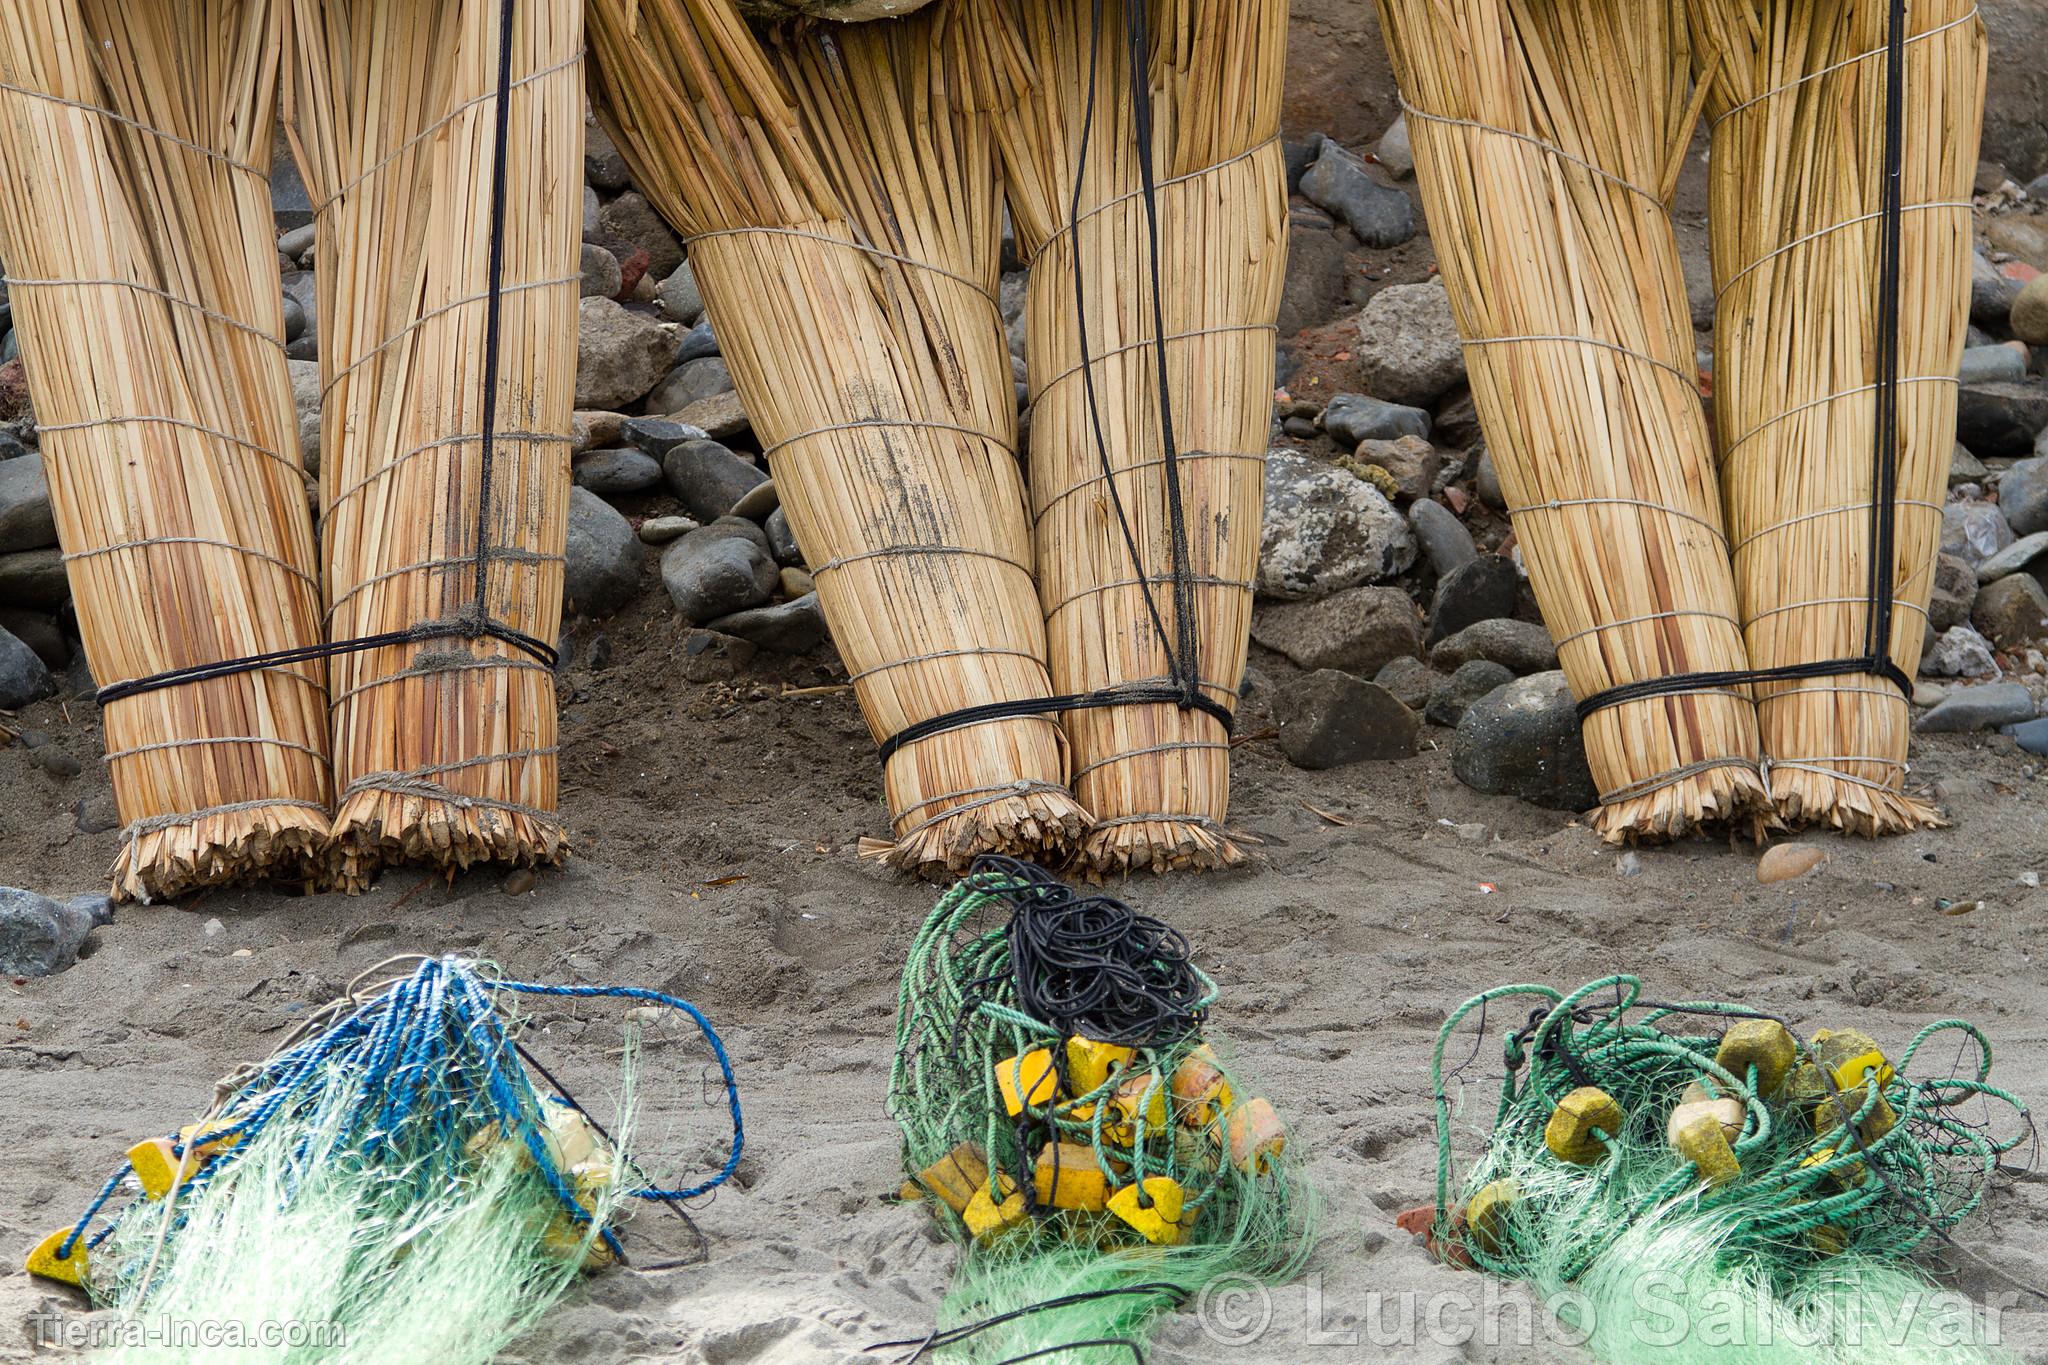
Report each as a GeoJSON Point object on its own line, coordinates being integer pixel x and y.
{"type": "Point", "coordinates": [1876, 658]}
{"type": "Point", "coordinates": [474, 621]}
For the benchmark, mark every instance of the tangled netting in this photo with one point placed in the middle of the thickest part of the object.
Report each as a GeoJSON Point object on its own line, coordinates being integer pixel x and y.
{"type": "Point", "coordinates": [390, 1184]}
{"type": "Point", "coordinates": [1051, 1069]}
{"type": "Point", "coordinates": [1648, 1158]}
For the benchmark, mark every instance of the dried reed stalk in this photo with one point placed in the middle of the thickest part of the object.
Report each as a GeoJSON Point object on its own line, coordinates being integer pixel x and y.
{"type": "Point", "coordinates": [145, 291]}
{"type": "Point", "coordinates": [1156, 776]}
{"type": "Point", "coordinates": [841, 194]}
{"type": "Point", "coordinates": [444, 750]}
{"type": "Point", "coordinates": [1797, 93]}
{"type": "Point", "coordinates": [1547, 137]}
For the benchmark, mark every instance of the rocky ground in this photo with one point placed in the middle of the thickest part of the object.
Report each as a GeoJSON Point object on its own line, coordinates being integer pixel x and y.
{"type": "Point", "coordinates": [1402, 696]}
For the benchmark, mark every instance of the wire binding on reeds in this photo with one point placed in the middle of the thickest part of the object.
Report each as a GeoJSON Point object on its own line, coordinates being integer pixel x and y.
{"type": "Point", "coordinates": [169, 436]}
{"type": "Point", "coordinates": [1547, 140]}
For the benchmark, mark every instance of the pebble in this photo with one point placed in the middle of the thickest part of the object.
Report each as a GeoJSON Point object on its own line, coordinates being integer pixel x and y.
{"type": "Point", "coordinates": [40, 936]}
{"type": "Point", "coordinates": [24, 677]}
{"type": "Point", "coordinates": [603, 166]}
{"type": "Point", "coordinates": [1326, 530]}
{"type": "Point", "coordinates": [722, 416]}
{"type": "Point", "coordinates": [631, 218]}
{"type": "Point", "coordinates": [680, 298]}
{"type": "Point", "coordinates": [55, 762]}
{"type": "Point", "coordinates": [709, 575]}
{"type": "Point", "coordinates": [1409, 461]}
{"type": "Point", "coordinates": [519, 881]}
{"type": "Point", "coordinates": [757, 502]}
{"type": "Point", "coordinates": [781, 540]}
{"type": "Point", "coordinates": [793, 627]}
{"type": "Point", "coordinates": [1358, 630]}
{"type": "Point", "coordinates": [1379, 216]}
{"type": "Point", "coordinates": [603, 554]}
{"type": "Point", "coordinates": [1992, 364]}
{"type": "Point", "coordinates": [797, 583]}
{"type": "Point", "coordinates": [1408, 346]}
{"type": "Point", "coordinates": [2029, 314]}
{"type": "Point", "coordinates": [1954, 593]}
{"type": "Point", "coordinates": [621, 353]}
{"type": "Point", "coordinates": [616, 473]}
{"type": "Point", "coordinates": [1963, 467]}
{"type": "Point", "coordinates": [1330, 718]}
{"type": "Point", "coordinates": [2032, 735]}
{"type": "Point", "coordinates": [711, 657]}
{"type": "Point", "coordinates": [709, 479]}
{"type": "Point", "coordinates": [1455, 695]}
{"type": "Point", "coordinates": [1410, 680]}
{"type": "Point", "coordinates": [1483, 589]}
{"type": "Point", "coordinates": [2002, 418]}
{"type": "Point", "coordinates": [1628, 865]}
{"type": "Point", "coordinates": [1960, 652]}
{"type": "Point", "coordinates": [1992, 293]}
{"type": "Point", "coordinates": [595, 429]}
{"type": "Point", "coordinates": [690, 382]}
{"type": "Point", "coordinates": [213, 928]}
{"type": "Point", "coordinates": [1974, 531]}
{"type": "Point", "coordinates": [661, 530]}
{"type": "Point", "coordinates": [1353, 417]}
{"type": "Point", "coordinates": [1522, 647]}
{"type": "Point", "coordinates": [26, 521]}
{"type": "Point", "coordinates": [1300, 428]}
{"type": "Point", "coordinates": [1966, 709]}
{"type": "Point", "coordinates": [1523, 740]}
{"type": "Point", "coordinates": [602, 278]}
{"type": "Point", "coordinates": [2014, 557]}
{"type": "Point", "coordinates": [1393, 150]}
{"type": "Point", "coordinates": [1486, 482]}
{"type": "Point", "coordinates": [659, 435]}
{"type": "Point", "coordinates": [298, 241]}
{"type": "Point", "coordinates": [697, 343]}
{"type": "Point", "coordinates": [2023, 496]}
{"type": "Point", "coordinates": [2011, 612]}
{"type": "Point", "coordinates": [1446, 544]}
{"type": "Point", "coordinates": [1785, 862]}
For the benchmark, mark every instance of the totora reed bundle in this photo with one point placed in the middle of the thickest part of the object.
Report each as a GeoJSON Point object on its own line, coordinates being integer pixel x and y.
{"type": "Point", "coordinates": [1547, 137]}
{"type": "Point", "coordinates": [1798, 98]}
{"type": "Point", "coordinates": [1150, 343]}
{"type": "Point", "coordinates": [445, 743]}
{"type": "Point", "coordinates": [838, 187]}
{"type": "Point", "coordinates": [135, 222]}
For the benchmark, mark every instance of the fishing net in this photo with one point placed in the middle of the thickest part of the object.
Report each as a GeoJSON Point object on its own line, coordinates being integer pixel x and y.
{"type": "Point", "coordinates": [389, 1186]}
{"type": "Point", "coordinates": [1067, 1116]}
{"type": "Point", "coordinates": [1650, 1163]}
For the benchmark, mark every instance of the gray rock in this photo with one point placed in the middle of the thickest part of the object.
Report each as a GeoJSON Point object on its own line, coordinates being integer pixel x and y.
{"type": "Point", "coordinates": [698, 342]}
{"type": "Point", "coordinates": [23, 675]}
{"type": "Point", "coordinates": [2023, 496]}
{"type": "Point", "coordinates": [781, 540]}
{"type": "Point", "coordinates": [1486, 483]}
{"type": "Point", "coordinates": [602, 164]}
{"type": "Point", "coordinates": [34, 579]}
{"type": "Point", "coordinates": [1959, 652]}
{"type": "Point", "coordinates": [680, 297]}
{"type": "Point", "coordinates": [1483, 589]}
{"type": "Point", "coordinates": [1411, 462]}
{"type": "Point", "coordinates": [1973, 531]}
{"type": "Point", "coordinates": [1523, 740]}
{"type": "Point", "coordinates": [1963, 467]}
{"type": "Point", "coordinates": [659, 435]}
{"type": "Point", "coordinates": [1298, 157]}
{"type": "Point", "coordinates": [303, 288]}
{"type": "Point", "coordinates": [40, 633]}
{"type": "Point", "coordinates": [1522, 647]}
{"type": "Point", "coordinates": [2013, 557]}
{"type": "Point", "coordinates": [757, 502]}
{"type": "Point", "coordinates": [722, 415]}
{"type": "Point", "coordinates": [2002, 418]}
{"type": "Point", "coordinates": [604, 556]}
{"type": "Point", "coordinates": [1955, 592]}
{"type": "Point", "coordinates": [689, 383]}
{"type": "Point", "coordinates": [1394, 152]}
{"type": "Point", "coordinates": [709, 575]}
{"type": "Point", "coordinates": [620, 354]}
{"type": "Point", "coordinates": [593, 213]}
{"type": "Point", "coordinates": [1991, 293]}
{"type": "Point", "coordinates": [1446, 544]}
{"type": "Point", "coordinates": [26, 522]}
{"type": "Point", "coordinates": [1992, 364]}
{"type": "Point", "coordinates": [1318, 274]}
{"type": "Point", "coordinates": [1330, 718]}
{"type": "Point", "coordinates": [1978, 708]}
{"type": "Point", "coordinates": [1353, 417]}
{"type": "Point", "coordinates": [41, 937]}
{"type": "Point", "coordinates": [631, 218]}
{"type": "Point", "coordinates": [736, 528]}
{"type": "Point", "coordinates": [616, 473]}
{"type": "Point", "coordinates": [707, 478]}
{"type": "Point", "coordinates": [708, 656]}
{"type": "Point", "coordinates": [306, 395]}
{"type": "Point", "coordinates": [1410, 680]}
{"type": "Point", "coordinates": [794, 627]}
{"type": "Point", "coordinates": [1378, 216]}
{"type": "Point", "coordinates": [2032, 735]}
{"type": "Point", "coordinates": [602, 278]}
{"type": "Point", "coordinates": [661, 530]}
{"type": "Point", "coordinates": [1326, 530]}
{"type": "Point", "coordinates": [294, 319]}
{"type": "Point", "coordinates": [1456, 695]}
{"type": "Point", "coordinates": [2030, 312]}
{"type": "Point", "coordinates": [1358, 631]}
{"type": "Point", "coordinates": [2011, 612]}
{"type": "Point", "coordinates": [1408, 344]}
{"type": "Point", "coordinates": [290, 204]}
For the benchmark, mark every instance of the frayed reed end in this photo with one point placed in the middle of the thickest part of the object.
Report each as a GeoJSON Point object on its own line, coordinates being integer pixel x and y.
{"type": "Point", "coordinates": [1804, 798]}
{"type": "Point", "coordinates": [375, 830]}
{"type": "Point", "coordinates": [1732, 796]}
{"type": "Point", "coordinates": [273, 842]}
{"type": "Point", "coordinates": [1157, 844]}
